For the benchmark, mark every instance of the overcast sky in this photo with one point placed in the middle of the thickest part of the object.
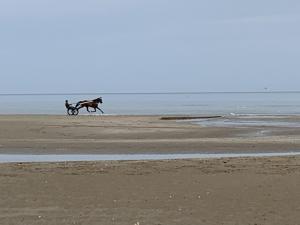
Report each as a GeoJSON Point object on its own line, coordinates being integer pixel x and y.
{"type": "Point", "coordinates": [149, 45]}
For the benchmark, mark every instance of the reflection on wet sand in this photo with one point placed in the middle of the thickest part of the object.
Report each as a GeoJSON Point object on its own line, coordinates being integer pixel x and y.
{"type": "Point", "coordinates": [5, 158]}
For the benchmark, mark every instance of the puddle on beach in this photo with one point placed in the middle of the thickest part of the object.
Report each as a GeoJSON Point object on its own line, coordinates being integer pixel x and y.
{"type": "Point", "coordinates": [8, 158]}
{"type": "Point", "coordinates": [247, 121]}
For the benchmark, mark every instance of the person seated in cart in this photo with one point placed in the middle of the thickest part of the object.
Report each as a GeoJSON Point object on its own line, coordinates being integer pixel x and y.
{"type": "Point", "coordinates": [67, 104]}
{"type": "Point", "coordinates": [71, 110]}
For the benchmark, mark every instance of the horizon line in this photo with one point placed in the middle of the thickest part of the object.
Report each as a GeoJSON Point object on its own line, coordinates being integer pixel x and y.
{"type": "Point", "coordinates": [148, 93]}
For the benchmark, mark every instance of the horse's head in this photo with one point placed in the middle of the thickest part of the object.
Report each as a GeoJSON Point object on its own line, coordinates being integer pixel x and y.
{"type": "Point", "coordinates": [98, 100]}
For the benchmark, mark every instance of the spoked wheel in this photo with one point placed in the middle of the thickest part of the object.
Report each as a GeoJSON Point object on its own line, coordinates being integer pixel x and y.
{"type": "Point", "coordinates": [73, 111]}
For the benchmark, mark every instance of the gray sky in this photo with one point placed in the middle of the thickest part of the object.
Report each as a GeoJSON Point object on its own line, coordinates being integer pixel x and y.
{"type": "Point", "coordinates": [149, 45]}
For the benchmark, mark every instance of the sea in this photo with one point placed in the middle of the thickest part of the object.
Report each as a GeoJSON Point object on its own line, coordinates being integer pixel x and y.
{"type": "Point", "coordinates": [200, 103]}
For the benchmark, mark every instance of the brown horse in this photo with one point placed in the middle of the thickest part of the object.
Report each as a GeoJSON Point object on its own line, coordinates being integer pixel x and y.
{"type": "Point", "coordinates": [90, 104]}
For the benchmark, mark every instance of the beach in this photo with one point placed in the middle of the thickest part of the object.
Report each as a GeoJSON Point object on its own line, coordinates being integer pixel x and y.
{"type": "Point", "coordinates": [37, 134]}
{"type": "Point", "coordinates": [257, 190]}
{"type": "Point", "coordinates": [149, 112]}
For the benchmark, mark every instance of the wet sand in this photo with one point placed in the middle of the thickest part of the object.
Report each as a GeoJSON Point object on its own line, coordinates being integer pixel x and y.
{"type": "Point", "coordinates": [136, 134]}
{"type": "Point", "coordinates": [216, 191]}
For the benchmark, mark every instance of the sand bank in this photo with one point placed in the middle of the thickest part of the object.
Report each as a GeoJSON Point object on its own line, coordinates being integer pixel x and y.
{"type": "Point", "coordinates": [136, 134]}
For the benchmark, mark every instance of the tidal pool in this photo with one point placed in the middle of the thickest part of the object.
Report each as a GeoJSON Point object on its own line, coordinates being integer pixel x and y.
{"type": "Point", "coordinates": [9, 158]}
{"type": "Point", "coordinates": [248, 121]}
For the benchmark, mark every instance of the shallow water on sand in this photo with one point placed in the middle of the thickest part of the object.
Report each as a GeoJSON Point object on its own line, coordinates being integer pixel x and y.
{"type": "Point", "coordinates": [8, 158]}
{"type": "Point", "coordinates": [247, 122]}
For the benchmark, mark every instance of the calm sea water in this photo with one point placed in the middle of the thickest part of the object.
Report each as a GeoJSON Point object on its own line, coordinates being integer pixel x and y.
{"type": "Point", "coordinates": [189, 103]}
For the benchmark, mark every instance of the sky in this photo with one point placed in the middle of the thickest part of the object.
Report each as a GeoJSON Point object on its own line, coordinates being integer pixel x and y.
{"type": "Point", "coordinates": [59, 46]}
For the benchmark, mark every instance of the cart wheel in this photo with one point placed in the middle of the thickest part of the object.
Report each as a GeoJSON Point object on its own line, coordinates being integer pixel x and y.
{"type": "Point", "coordinates": [73, 112]}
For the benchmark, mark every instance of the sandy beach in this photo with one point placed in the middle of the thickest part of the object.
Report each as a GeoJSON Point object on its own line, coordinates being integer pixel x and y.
{"type": "Point", "coordinates": [213, 191]}
{"type": "Point", "coordinates": [137, 134]}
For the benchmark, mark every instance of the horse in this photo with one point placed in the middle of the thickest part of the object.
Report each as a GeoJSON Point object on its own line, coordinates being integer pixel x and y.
{"type": "Point", "coordinates": [90, 104]}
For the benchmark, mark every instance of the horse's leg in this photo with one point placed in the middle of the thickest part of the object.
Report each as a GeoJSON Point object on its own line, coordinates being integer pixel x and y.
{"type": "Point", "coordinates": [100, 110]}
{"type": "Point", "coordinates": [94, 110]}
{"type": "Point", "coordinates": [87, 109]}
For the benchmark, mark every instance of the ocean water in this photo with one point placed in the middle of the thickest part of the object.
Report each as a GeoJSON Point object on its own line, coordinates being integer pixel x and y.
{"type": "Point", "coordinates": [265, 103]}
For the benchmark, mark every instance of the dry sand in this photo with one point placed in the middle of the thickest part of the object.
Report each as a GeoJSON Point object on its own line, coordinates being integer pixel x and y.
{"type": "Point", "coordinates": [228, 191]}
{"type": "Point", "coordinates": [184, 192]}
